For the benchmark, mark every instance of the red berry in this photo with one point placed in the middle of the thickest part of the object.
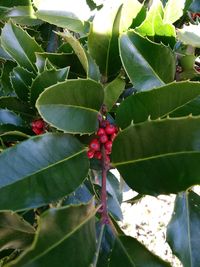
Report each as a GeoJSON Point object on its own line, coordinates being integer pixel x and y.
{"type": "Point", "coordinates": [37, 131]}
{"type": "Point", "coordinates": [98, 155]}
{"type": "Point", "coordinates": [108, 145]}
{"type": "Point", "coordinates": [94, 145]}
{"type": "Point", "coordinates": [103, 138]}
{"type": "Point", "coordinates": [90, 154]}
{"type": "Point", "coordinates": [101, 131]}
{"type": "Point", "coordinates": [38, 124]}
{"type": "Point", "coordinates": [110, 129]}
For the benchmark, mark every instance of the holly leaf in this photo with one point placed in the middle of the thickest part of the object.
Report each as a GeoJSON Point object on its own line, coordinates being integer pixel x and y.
{"type": "Point", "coordinates": [128, 252]}
{"type": "Point", "coordinates": [112, 91]}
{"type": "Point", "coordinates": [103, 40]}
{"type": "Point", "coordinates": [72, 15]}
{"type": "Point", "coordinates": [15, 233]}
{"type": "Point", "coordinates": [77, 102]}
{"type": "Point", "coordinates": [41, 175]}
{"type": "Point", "coordinates": [145, 70]}
{"type": "Point", "coordinates": [74, 224]}
{"type": "Point", "coordinates": [170, 167]}
{"type": "Point", "coordinates": [182, 232]}
{"type": "Point", "coordinates": [189, 35]}
{"type": "Point", "coordinates": [20, 46]}
{"type": "Point", "coordinates": [21, 79]}
{"type": "Point", "coordinates": [46, 79]}
{"type": "Point", "coordinates": [156, 26]}
{"type": "Point", "coordinates": [175, 99]}
{"type": "Point", "coordinates": [86, 60]}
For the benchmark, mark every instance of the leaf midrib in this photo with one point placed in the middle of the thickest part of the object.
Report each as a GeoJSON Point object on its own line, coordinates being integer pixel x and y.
{"type": "Point", "coordinates": [67, 105]}
{"type": "Point", "coordinates": [87, 219]}
{"type": "Point", "coordinates": [45, 168]}
{"type": "Point", "coordinates": [155, 157]}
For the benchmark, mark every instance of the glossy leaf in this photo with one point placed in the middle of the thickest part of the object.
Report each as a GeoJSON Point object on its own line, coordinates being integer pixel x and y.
{"type": "Point", "coordinates": [102, 41]}
{"type": "Point", "coordinates": [60, 60]}
{"type": "Point", "coordinates": [183, 230]}
{"type": "Point", "coordinates": [170, 99]}
{"type": "Point", "coordinates": [12, 3]}
{"type": "Point", "coordinates": [155, 27]}
{"type": "Point", "coordinates": [105, 241]}
{"type": "Point", "coordinates": [9, 117]}
{"type": "Point", "coordinates": [170, 166]}
{"type": "Point", "coordinates": [46, 79]}
{"type": "Point", "coordinates": [128, 252]}
{"type": "Point", "coordinates": [129, 12]}
{"type": "Point", "coordinates": [112, 91]}
{"type": "Point", "coordinates": [5, 77]}
{"type": "Point", "coordinates": [13, 133]}
{"type": "Point", "coordinates": [16, 105]}
{"type": "Point", "coordinates": [173, 10]}
{"type": "Point", "coordinates": [86, 60]}
{"type": "Point", "coordinates": [43, 169]}
{"type": "Point", "coordinates": [72, 106]}
{"type": "Point", "coordinates": [21, 46]}
{"type": "Point", "coordinates": [189, 35]}
{"type": "Point", "coordinates": [15, 233]}
{"type": "Point", "coordinates": [144, 69]}
{"type": "Point", "coordinates": [21, 80]}
{"type": "Point", "coordinates": [23, 15]}
{"type": "Point", "coordinates": [71, 15]}
{"type": "Point", "coordinates": [53, 247]}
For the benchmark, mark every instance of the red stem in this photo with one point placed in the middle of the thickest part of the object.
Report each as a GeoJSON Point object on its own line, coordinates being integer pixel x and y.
{"type": "Point", "coordinates": [104, 214]}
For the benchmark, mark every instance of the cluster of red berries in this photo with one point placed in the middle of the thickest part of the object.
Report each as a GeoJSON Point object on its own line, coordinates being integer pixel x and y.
{"type": "Point", "coordinates": [104, 137]}
{"type": "Point", "coordinates": [38, 126]}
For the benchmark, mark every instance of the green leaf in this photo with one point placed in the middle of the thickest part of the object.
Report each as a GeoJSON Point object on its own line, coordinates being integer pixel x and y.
{"type": "Point", "coordinates": [170, 166]}
{"type": "Point", "coordinates": [5, 77]}
{"type": "Point", "coordinates": [103, 39]}
{"type": "Point", "coordinates": [155, 27]}
{"type": "Point", "coordinates": [12, 3]}
{"type": "Point", "coordinates": [23, 15]}
{"type": "Point", "coordinates": [169, 99]}
{"type": "Point", "coordinates": [21, 46]}
{"type": "Point", "coordinates": [21, 79]}
{"type": "Point", "coordinates": [112, 91]}
{"type": "Point", "coordinates": [19, 107]}
{"type": "Point", "coordinates": [183, 230]}
{"type": "Point", "coordinates": [15, 233]}
{"type": "Point", "coordinates": [43, 169]}
{"type": "Point", "coordinates": [60, 60]}
{"type": "Point", "coordinates": [71, 15]}
{"type": "Point", "coordinates": [144, 69]}
{"type": "Point", "coordinates": [46, 79]}
{"type": "Point", "coordinates": [75, 230]}
{"type": "Point", "coordinates": [128, 252]}
{"type": "Point", "coordinates": [86, 60]}
{"type": "Point", "coordinates": [130, 10]}
{"type": "Point", "coordinates": [173, 10]}
{"type": "Point", "coordinates": [72, 106]}
{"type": "Point", "coordinates": [189, 35]}
{"type": "Point", "coordinates": [105, 240]}
{"type": "Point", "coordinates": [12, 133]}
{"type": "Point", "coordinates": [9, 117]}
